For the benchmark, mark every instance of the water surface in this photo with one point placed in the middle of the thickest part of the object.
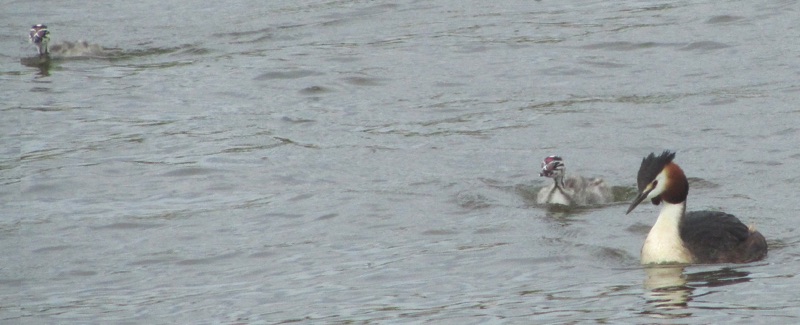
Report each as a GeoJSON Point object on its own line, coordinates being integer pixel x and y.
{"type": "Point", "coordinates": [374, 162]}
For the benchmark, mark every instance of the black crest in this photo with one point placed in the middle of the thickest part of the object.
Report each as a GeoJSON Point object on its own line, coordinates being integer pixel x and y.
{"type": "Point", "coordinates": [651, 166]}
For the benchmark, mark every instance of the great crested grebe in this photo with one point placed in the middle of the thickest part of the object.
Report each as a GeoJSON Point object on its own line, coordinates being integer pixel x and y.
{"type": "Point", "coordinates": [40, 37]}
{"type": "Point", "coordinates": [702, 237]}
{"type": "Point", "coordinates": [573, 190]}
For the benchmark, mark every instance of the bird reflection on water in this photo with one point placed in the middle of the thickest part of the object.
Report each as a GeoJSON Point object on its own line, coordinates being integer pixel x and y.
{"type": "Point", "coordinates": [42, 63]}
{"type": "Point", "coordinates": [669, 290]}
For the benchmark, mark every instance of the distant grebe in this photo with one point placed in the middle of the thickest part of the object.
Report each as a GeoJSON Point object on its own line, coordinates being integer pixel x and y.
{"type": "Point", "coordinates": [695, 237]}
{"type": "Point", "coordinates": [573, 190]}
{"type": "Point", "coordinates": [40, 37]}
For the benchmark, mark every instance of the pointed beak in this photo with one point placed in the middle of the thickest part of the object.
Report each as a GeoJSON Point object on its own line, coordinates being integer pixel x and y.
{"type": "Point", "coordinates": [547, 170]}
{"type": "Point", "coordinates": [642, 195]}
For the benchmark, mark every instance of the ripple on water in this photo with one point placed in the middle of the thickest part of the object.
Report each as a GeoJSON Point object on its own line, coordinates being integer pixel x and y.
{"type": "Point", "coordinates": [191, 171]}
{"type": "Point", "coordinates": [289, 162]}
{"type": "Point", "coordinates": [292, 74]}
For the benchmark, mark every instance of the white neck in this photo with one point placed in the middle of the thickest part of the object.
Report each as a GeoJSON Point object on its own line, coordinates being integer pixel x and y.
{"type": "Point", "coordinates": [554, 194]}
{"type": "Point", "coordinates": [42, 48]}
{"type": "Point", "coordinates": [558, 196]}
{"type": "Point", "coordinates": [664, 243]}
{"type": "Point", "coordinates": [562, 194]}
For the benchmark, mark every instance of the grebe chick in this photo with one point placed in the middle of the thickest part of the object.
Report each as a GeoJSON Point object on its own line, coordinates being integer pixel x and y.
{"type": "Point", "coordinates": [40, 37]}
{"type": "Point", "coordinates": [573, 190]}
{"type": "Point", "coordinates": [696, 237]}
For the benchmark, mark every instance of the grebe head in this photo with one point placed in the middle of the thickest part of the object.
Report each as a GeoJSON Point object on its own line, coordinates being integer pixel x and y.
{"type": "Point", "coordinates": [553, 167]}
{"type": "Point", "coordinates": [40, 36]}
{"type": "Point", "coordinates": [660, 179]}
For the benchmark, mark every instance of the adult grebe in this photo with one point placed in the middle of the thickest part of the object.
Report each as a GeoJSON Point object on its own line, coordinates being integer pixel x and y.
{"type": "Point", "coordinates": [694, 237]}
{"type": "Point", "coordinates": [572, 191]}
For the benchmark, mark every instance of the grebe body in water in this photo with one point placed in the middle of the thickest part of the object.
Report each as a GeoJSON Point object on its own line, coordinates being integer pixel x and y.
{"type": "Point", "coordinates": [573, 190]}
{"type": "Point", "coordinates": [702, 237]}
{"type": "Point", "coordinates": [39, 35]}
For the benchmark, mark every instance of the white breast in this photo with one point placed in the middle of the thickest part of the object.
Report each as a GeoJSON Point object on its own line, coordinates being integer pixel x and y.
{"type": "Point", "coordinates": [551, 195]}
{"type": "Point", "coordinates": [663, 243]}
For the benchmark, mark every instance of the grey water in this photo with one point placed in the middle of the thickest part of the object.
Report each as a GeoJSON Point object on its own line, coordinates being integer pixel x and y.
{"type": "Point", "coordinates": [365, 162]}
